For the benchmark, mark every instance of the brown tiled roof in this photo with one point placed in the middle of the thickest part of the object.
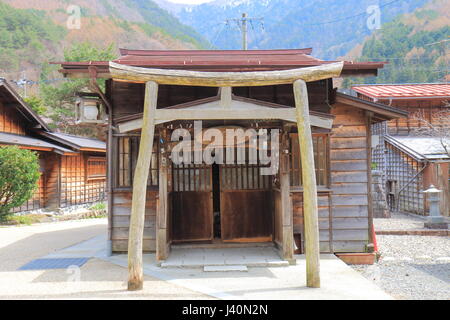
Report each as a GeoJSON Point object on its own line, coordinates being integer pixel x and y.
{"type": "Point", "coordinates": [421, 90]}
{"type": "Point", "coordinates": [220, 60]}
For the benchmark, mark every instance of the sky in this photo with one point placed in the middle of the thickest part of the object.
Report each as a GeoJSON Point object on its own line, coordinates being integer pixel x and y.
{"type": "Point", "coordinates": [190, 1]}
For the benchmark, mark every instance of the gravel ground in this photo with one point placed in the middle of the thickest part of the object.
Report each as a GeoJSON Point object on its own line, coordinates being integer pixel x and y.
{"type": "Point", "coordinates": [400, 221]}
{"type": "Point", "coordinates": [412, 267]}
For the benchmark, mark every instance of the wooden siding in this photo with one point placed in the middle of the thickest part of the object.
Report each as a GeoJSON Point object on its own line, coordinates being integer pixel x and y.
{"type": "Point", "coordinates": [349, 180]}
{"type": "Point", "coordinates": [438, 174]}
{"type": "Point", "coordinates": [278, 218]}
{"type": "Point", "coordinates": [76, 186]}
{"type": "Point", "coordinates": [52, 187]}
{"type": "Point", "coordinates": [67, 181]}
{"type": "Point", "coordinates": [433, 111]}
{"type": "Point", "coordinates": [325, 223]}
{"type": "Point", "coordinates": [121, 211]}
{"type": "Point", "coordinates": [10, 121]}
{"type": "Point", "coordinates": [37, 201]}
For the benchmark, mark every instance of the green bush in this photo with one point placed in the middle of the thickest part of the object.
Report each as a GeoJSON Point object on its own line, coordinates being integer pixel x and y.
{"type": "Point", "coordinates": [98, 206]}
{"type": "Point", "coordinates": [19, 174]}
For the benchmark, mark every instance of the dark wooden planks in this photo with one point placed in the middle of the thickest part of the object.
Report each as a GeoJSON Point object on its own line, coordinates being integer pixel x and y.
{"type": "Point", "coordinates": [192, 216]}
{"type": "Point", "coordinates": [246, 215]}
{"type": "Point", "coordinates": [11, 121]}
{"type": "Point", "coordinates": [349, 179]}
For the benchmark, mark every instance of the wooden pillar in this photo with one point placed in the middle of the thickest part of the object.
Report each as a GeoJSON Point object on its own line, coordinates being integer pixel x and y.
{"type": "Point", "coordinates": [312, 249]}
{"type": "Point", "coordinates": [162, 249]}
{"type": "Point", "coordinates": [286, 204]}
{"type": "Point", "coordinates": [136, 232]}
{"type": "Point", "coordinates": [442, 183]}
{"type": "Point", "coordinates": [52, 198]}
{"type": "Point", "coordinates": [368, 116]}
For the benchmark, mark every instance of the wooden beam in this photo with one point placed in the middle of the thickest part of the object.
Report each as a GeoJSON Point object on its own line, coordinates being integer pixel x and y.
{"type": "Point", "coordinates": [197, 113]}
{"type": "Point", "coordinates": [226, 97]}
{"type": "Point", "coordinates": [224, 79]}
{"type": "Point", "coordinates": [310, 208]}
{"type": "Point", "coordinates": [136, 232]}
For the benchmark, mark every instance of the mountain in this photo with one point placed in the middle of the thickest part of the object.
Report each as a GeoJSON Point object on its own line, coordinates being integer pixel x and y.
{"type": "Point", "coordinates": [34, 32]}
{"type": "Point", "coordinates": [414, 44]}
{"type": "Point", "coordinates": [331, 27]}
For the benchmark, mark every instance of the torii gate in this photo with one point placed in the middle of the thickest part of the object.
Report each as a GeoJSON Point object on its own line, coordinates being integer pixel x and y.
{"type": "Point", "coordinates": [225, 80]}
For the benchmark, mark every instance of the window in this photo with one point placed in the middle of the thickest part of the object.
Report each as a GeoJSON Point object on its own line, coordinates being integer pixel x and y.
{"type": "Point", "coordinates": [128, 151]}
{"type": "Point", "coordinates": [96, 168]}
{"type": "Point", "coordinates": [321, 160]}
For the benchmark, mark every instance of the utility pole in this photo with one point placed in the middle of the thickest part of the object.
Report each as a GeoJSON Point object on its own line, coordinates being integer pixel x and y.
{"type": "Point", "coordinates": [243, 26]}
{"type": "Point", "coordinates": [443, 51]}
{"type": "Point", "coordinates": [244, 32]}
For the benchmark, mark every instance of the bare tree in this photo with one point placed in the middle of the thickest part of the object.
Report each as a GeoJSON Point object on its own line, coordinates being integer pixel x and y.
{"type": "Point", "coordinates": [436, 126]}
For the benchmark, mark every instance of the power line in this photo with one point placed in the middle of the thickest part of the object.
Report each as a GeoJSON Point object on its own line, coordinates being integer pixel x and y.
{"type": "Point", "coordinates": [218, 33]}
{"type": "Point", "coordinates": [242, 24]}
{"type": "Point", "coordinates": [349, 17]}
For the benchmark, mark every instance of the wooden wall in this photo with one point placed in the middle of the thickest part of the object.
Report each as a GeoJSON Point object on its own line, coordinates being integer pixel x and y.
{"type": "Point", "coordinates": [64, 182]}
{"type": "Point", "coordinates": [10, 121]}
{"type": "Point", "coordinates": [52, 187]}
{"type": "Point", "coordinates": [349, 179]}
{"type": "Point", "coordinates": [277, 218]}
{"type": "Point", "coordinates": [37, 201]}
{"type": "Point", "coordinates": [76, 186]}
{"type": "Point", "coordinates": [433, 111]}
{"type": "Point", "coordinates": [121, 211]}
{"type": "Point", "coordinates": [438, 174]}
{"type": "Point", "coordinates": [325, 223]}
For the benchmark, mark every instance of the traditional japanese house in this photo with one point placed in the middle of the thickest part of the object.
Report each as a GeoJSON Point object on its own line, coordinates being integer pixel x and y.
{"type": "Point", "coordinates": [413, 151]}
{"type": "Point", "coordinates": [233, 203]}
{"type": "Point", "coordinates": [73, 169]}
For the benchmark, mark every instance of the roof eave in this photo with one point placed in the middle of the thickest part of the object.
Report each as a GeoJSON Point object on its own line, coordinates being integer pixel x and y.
{"type": "Point", "coordinates": [60, 140]}
{"type": "Point", "coordinates": [386, 112]}
{"type": "Point", "coordinates": [23, 105]}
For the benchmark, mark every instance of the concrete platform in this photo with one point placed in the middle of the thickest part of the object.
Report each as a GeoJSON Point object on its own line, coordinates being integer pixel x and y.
{"type": "Point", "coordinates": [338, 281]}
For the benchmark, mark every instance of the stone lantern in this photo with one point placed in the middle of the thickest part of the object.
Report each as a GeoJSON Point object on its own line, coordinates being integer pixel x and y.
{"type": "Point", "coordinates": [90, 109]}
{"type": "Point", "coordinates": [435, 220]}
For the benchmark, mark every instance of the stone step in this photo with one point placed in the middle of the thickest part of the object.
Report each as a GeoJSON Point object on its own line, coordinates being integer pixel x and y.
{"type": "Point", "coordinates": [253, 264]}
{"type": "Point", "coordinates": [225, 269]}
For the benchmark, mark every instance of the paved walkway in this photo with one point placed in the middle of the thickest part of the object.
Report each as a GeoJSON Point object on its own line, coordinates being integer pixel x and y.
{"type": "Point", "coordinates": [104, 277]}
{"type": "Point", "coordinates": [97, 279]}
{"type": "Point", "coordinates": [21, 244]}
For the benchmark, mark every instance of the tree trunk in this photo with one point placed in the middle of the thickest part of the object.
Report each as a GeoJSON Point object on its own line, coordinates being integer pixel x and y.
{"type": "Point", "coordinates": [136, 233]}
{"type": "Point", "coordinates": [312, 249]}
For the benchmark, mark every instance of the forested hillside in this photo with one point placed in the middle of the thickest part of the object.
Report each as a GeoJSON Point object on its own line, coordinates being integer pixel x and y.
{"type": "Point", "coordinates": [415, 45]}
{"type": "Point", "coordinates": [26, 37]}
{"type": "Point", "coordinates": [33, 32]}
